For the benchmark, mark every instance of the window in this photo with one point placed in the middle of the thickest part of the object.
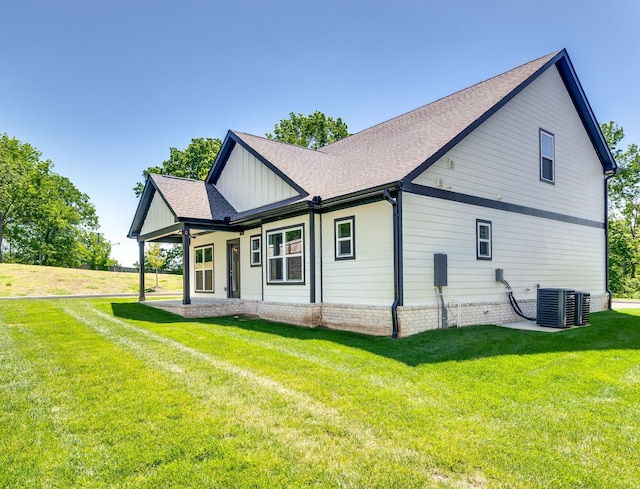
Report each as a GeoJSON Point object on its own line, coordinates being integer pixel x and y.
{"type": "Point", "coordinates": [345, 238]}
{"type": "Point", "coordinates": [256, 251]}
{"type": "Point", "coordinates": [483, 239]}
{"type": "Point", "coordinates": [285, 259]}
{"type": "Point", "coordinates": [204, 269]}
{"type": "Point", "coordinates": [547, 156]}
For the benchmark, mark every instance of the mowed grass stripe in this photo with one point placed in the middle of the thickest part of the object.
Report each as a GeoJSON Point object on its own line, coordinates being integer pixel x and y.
{"type": "Point", "coordinates": [128, 396]}
{"type": "Point", "coordinates": [135, 425]}
{"type": "Point", "coordinates": [307, 431]}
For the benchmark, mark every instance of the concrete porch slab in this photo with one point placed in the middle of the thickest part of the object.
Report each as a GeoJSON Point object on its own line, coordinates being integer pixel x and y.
{"type": "Point", "coordinates": [532, 326]}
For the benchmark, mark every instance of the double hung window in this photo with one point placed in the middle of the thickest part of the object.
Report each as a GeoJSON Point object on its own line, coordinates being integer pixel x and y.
{"type": "Point", "coordinates": [256, 251]}
{"type": "Point", "coordinates": [483, 239]}
{"type": "Point", "coordinates": [547, 156]}
{"type": "Point", "coordinates": [285, 255]}
{"type": "Point", "coordinates": [345, 238]}
{"type": "Point", "coordinates": [204, 269]}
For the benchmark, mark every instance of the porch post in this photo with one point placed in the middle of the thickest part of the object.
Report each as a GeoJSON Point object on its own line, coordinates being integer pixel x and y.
{"type": "Point", "coordinates": [186, 278]}
{"type": "Point", "coordinates": [141, 296]}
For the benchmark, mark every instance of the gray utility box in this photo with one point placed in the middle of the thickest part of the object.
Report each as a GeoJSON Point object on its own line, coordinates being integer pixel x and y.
{"type": "Point", "coordinates": [439, 270]}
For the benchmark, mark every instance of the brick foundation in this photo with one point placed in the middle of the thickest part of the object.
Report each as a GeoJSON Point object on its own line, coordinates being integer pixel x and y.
{"type": "Point", "coordinates": [373, 320]}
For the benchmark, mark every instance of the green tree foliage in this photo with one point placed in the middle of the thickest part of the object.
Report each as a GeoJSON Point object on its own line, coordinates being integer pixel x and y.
{"type": "Point", "coordinates": [155, 257]}
{"type": "Point", "coordinates": [310, 131]}
{"type": "Point", "coordinates": [96, 251]}
{"type": "Point", "coordinates": [194, 161]}
{"type": "Point", "coordinates": [44, 218]}
{"type": "Point", "coordinates": [624, 213]}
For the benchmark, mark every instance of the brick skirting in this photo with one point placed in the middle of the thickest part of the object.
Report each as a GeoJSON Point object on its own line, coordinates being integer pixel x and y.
{"type": "Point", "coordinates": [373, 320]}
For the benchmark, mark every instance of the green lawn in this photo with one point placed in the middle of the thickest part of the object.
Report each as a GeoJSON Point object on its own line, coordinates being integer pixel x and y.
{"type": "Point", "coordinates": [110, 393]}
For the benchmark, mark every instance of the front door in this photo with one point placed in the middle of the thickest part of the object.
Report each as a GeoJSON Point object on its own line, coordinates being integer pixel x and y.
{"type": "Point", "coordinates": [233, 268]}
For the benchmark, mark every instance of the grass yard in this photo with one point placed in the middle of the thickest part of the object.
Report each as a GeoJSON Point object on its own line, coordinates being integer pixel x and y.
{"type": "Point", "coordinates": [31, 280]}
{"type": "Point", "coordinates": [110, 393]}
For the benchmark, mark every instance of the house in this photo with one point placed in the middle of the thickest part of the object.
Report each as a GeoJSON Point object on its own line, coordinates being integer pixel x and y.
{"type": "Point", "coordinates": [400, 226]}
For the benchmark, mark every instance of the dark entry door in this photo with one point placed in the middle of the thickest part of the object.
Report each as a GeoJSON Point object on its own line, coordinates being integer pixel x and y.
{"type": "Point", "coordinates": [233, 268]}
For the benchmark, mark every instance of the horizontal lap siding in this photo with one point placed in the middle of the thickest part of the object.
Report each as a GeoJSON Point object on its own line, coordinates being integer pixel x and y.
{"type": "Point", "coordinates": [500, 159]}
{"type": "Point", "coordinates": [369, 278]}
{"type": "Point", "coordinates": [219, 240]}
{"type": "Point", "coordinates": [530, 250]}
{"type": "Point", "coordinates": [250, 277]}
{"type": "Point", "coordinates": [247, 183]}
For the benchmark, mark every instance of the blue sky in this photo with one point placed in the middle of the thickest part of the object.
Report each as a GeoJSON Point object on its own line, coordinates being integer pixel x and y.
{"type": "Point", "coordinates": [104, 88]}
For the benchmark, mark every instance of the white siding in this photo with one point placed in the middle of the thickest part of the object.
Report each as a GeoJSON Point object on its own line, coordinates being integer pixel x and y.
{"type": "Point", "coordinates": [219, 241]}
{"type": "Point", "coordinates": [159, 215]}
{"type": "Point", "coordinates": [530, 250]}
{"type": "Point", "coordinates": [369, 278]}
{"type": "Point", "coordinates": [500, 159]}
{"type": "Point", "coordinates": [294, 293]}
{"type": "Point", "coordinates": [247, 184]}
{"type": "Point", "coordinates": [250, 277]}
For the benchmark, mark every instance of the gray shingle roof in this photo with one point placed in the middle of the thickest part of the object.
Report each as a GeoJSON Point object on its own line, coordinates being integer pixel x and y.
{"type": "Point", "coordinates": [192, 199]}
{"type": "Point", "coordinates": [389, 151]}
{"type": "Point", "coordinates": [383, 154]}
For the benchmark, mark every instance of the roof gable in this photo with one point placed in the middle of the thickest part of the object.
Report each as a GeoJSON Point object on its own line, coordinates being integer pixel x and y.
{"type": "Point", "coordinates": [247, 183]}
{"type": "Point", "coordinates": [188, 200]}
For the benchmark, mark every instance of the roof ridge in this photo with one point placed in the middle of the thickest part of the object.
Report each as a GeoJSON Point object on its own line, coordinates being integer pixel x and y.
{"type": "Point", "coordinates": [175, 177]}
{"type": "Point", "coordinates": [264, 138]}
{"type": "Point", "coordinates": [503, 74]}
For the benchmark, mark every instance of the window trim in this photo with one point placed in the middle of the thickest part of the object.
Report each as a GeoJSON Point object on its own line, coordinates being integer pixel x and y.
{"type": "Point", "coordinates": [195, 270]}
{"type": "Point", "coordinates": [337, 240]}
{"type": "Point", "coordinates": [479, 223]}
{"type": "Point", "coordinates": [284, 256]}
{"type": "Point", "coordinates": [542, 133]}
{"type": "Point", "coordinates": [252, 263]}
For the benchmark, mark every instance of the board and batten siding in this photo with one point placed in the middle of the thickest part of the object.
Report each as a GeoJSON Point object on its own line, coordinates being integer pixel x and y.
{"type": "Point", "coordinates": [368, 279]}
{"type": "Point", "coordinates": [159, 216]}
{"type": "Point", "coordinates": [530, 250]}
{"type": "Point", "coordinates": [248, 184]}
{"type": "Point", "coordinates": [500, 159]}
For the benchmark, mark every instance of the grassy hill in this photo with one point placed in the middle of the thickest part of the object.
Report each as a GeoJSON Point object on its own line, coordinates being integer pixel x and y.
{"type": "Point", "coordinates": [31, 280]}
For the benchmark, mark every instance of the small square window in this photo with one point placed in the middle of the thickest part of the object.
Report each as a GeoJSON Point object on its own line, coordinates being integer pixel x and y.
{"type": "Point", "coordinates": [256, 251]}
{"type": "Point", "coordinates": [547, 156]}
{"type": "Point", "coordinates": [345, 244]}
{"type": "Point", "coordinates": [483, 240]}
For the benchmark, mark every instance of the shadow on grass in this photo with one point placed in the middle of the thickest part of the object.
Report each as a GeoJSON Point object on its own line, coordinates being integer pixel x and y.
{"type": "Point", "coordinates": [610, 330]}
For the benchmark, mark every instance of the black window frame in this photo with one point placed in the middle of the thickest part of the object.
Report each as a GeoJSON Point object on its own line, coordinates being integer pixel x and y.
{"type": "Point", "coordinates": [337, 239]}
{"type": "Point", "coordinates": [285, 264]}
{"type": "Point", "coordinates": [479, 256]}
{"type": "Point", "coordinates": [252, 252]}
{"type": "Point", "coordinates": [550, 158]}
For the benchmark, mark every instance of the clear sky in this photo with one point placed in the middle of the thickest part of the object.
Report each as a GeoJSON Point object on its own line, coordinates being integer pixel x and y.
{"type": "Point", "coordinates": [105, 88]}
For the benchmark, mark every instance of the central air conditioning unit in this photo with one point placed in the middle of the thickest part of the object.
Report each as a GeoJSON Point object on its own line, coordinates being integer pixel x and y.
{"type": "Point", "coordinates": [556, 308]}
{"type": "Point", "coordinates": [583, 305]}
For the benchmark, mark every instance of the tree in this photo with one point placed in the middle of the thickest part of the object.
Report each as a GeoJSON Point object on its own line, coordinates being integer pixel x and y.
{"type": "Point", "coordinates": [19, 165]}
{"type": "Point", "coordinates": [95, 251]}
{"type": "Point", "coordinates": [624, 213]}
{"type": "Point", "coordinates": [43, 215]}
{"type": "Point", "coordinates": [156, 258]}
{"type": "Point", "coordinates": [311, 131]}
{"type": "Point", "coordinates": [194, 161]}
